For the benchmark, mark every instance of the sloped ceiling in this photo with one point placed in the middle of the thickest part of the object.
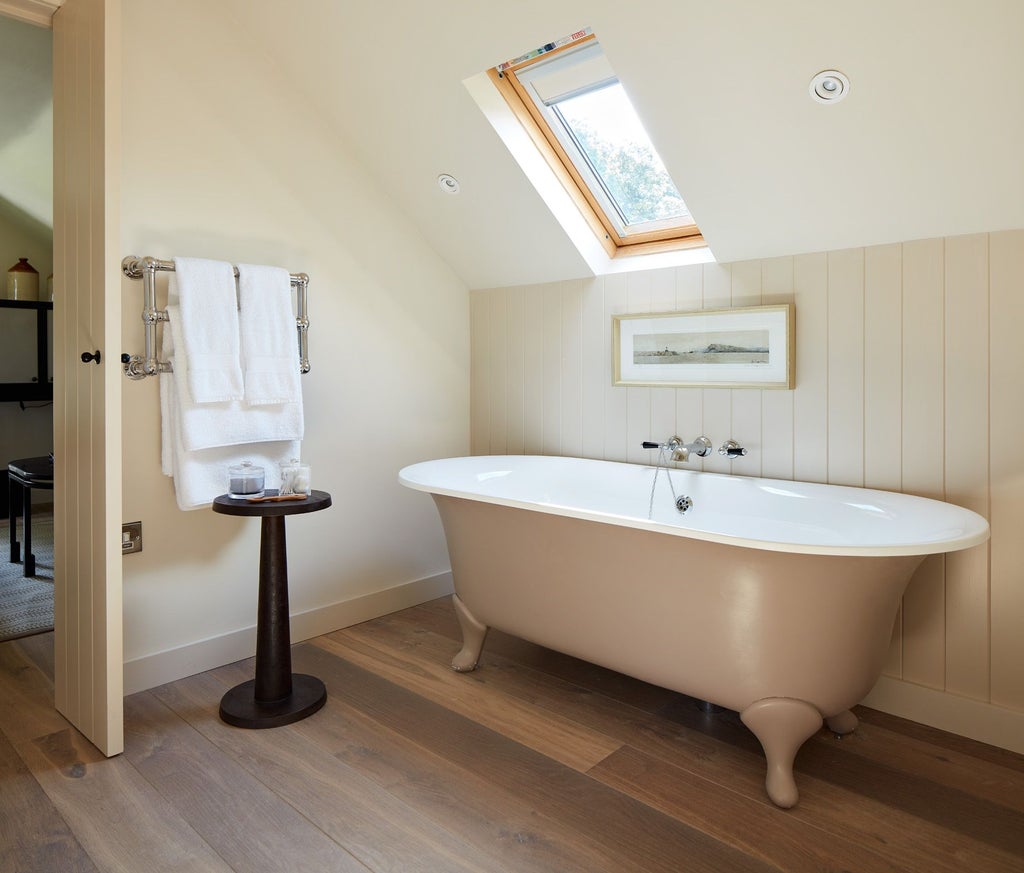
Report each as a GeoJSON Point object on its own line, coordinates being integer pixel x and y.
{"type": "Point", "coordinates": [38, 12]}
{"type": "Point", "coordinates": [929, 141]}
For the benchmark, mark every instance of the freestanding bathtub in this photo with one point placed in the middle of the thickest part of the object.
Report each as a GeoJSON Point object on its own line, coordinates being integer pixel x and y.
{"type": "Point", "coordinates": [769, 597]}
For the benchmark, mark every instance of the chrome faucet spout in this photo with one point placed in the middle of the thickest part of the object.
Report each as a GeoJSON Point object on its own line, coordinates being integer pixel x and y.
{"type": "Point", "coordinates": [701, 447]}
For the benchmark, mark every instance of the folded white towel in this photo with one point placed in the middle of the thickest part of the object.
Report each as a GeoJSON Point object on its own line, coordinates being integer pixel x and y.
{"type": "Point", "coordinates": [201, 475]}
{"type": "Point", "coordinates": [269, 342]}
{"type": "Point", "coordinates": [209, 312]}
{"type": "Point", "coordinates": [205, 425]}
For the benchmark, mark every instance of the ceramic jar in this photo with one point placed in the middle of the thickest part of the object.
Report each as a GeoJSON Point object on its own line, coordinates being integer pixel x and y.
{"type": "Point", "coordinates": [23, 281]}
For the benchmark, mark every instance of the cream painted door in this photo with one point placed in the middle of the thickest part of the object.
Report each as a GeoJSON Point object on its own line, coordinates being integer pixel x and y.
{"type": "Point", "coordinates": [87, 396]}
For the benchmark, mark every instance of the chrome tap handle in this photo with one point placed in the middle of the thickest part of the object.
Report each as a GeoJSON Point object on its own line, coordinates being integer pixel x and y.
{"type": "Point", "coordinates": [732, 449]}
{"type": "Point", "coordinates": [672, 445]}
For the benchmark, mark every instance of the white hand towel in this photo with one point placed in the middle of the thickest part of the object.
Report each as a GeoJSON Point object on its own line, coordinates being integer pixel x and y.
{"type": "Point", "coordinates": [270, 356]}
{"type": "Point", "coordinates": [209, 312]}
{"type": "Point", "coordinates": [201, 476]}
{"type": "Point", "coordinates": [205, 425]}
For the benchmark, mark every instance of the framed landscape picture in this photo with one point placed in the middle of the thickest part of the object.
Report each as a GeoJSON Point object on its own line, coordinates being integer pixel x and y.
{"type": "Point", "coordinates": [751, 347]}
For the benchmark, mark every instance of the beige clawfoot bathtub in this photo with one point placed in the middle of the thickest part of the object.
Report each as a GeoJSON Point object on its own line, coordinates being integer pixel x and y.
{"type": "Point", "coordinates": [775, 599]}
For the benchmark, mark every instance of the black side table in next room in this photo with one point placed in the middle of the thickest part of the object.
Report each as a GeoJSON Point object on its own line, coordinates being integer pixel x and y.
{"type": "Point", "coordinates": [276, 696]}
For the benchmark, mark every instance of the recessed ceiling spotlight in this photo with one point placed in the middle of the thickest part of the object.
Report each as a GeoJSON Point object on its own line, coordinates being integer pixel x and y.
{"type": "Point", "coordinates": [448, 184]}
{"type": "Point", "coordinates": [829, 86]}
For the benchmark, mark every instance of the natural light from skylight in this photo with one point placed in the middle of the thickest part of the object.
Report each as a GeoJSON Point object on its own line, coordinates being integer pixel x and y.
{"type": "Point", "coordinates": [579, 115]}
{"type": "Point", "coordinates": [606, 129]}
{"type": "Point", "coordinates": [572, 127]}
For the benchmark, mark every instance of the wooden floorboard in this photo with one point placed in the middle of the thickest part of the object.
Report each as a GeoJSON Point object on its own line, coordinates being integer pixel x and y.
{"type": "Point", "coordinates": [603, 817]}
{"type": "Point", "coordinates": [934, 808]}
{"type": "Point", "coordinates": [33, 834]}
{"type": "Point", "coordinates": [710, 749]}
{"type": "Point", "coordinates": [378, 828]}
{"type": "Point", "coordinates": [38, 649]}
{"type": "Point", "coordinates": [250, 826]}
{"type": "Point", "coordinates": [536, 763]}
{"type": "Point", "coordinates": [119, 818]}
{"type": "Point", "coordinates": [543, 730]}
{"type": "Point", "coordinates": [767, 833]}
{"type": "Point", "coordinates": [27, 711]}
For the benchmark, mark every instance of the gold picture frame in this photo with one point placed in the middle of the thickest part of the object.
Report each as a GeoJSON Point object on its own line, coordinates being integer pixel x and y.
{"type": "Point", "coordinates": [747, 347]}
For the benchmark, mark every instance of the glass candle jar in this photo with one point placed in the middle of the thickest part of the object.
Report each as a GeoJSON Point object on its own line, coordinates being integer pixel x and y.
{"type": "Point", "coordinates": [245, 480]}
{"type": "Point", "coordinates": [295, 478]}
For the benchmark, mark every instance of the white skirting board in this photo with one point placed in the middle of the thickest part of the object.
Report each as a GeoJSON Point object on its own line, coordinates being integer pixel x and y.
{"type": "Point", "coordinates": [157, 669]}
{"type": "Point", "coordinates": [976, 719]}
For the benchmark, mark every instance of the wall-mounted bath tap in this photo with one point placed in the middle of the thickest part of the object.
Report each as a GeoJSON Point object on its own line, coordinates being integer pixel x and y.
{"type": "Point", "coordinates": [701, 447]}
{"type": "Point", "coordinates": [731, 449]}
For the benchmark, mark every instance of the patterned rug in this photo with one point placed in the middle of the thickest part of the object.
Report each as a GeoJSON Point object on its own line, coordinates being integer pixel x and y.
{"type": "Point", "coordinates": [26, 604]}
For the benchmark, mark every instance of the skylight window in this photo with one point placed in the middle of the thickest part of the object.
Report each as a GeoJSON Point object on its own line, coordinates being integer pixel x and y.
{"type": "Point", "coordinates": [579, 116]}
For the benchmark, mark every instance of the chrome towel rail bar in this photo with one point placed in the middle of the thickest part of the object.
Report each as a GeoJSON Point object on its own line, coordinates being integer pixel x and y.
{"type": "Point", "coordinates": [138, 366]}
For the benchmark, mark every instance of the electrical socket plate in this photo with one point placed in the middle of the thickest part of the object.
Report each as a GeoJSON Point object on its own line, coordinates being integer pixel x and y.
{"type": "Point", "coordinates": [131, 537]}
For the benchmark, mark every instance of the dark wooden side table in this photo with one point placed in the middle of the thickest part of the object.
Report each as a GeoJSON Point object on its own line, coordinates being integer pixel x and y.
{"type": "Point", "coordinates": [276, 696]}
{"type": "Point", "coordinates": [23, 475]}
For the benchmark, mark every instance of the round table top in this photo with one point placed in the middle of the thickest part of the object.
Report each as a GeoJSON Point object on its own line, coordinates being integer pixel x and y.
{"type": "Point", "coordinates": [316, 501]}
{"type": "Point", "coordinates": [39, 469]}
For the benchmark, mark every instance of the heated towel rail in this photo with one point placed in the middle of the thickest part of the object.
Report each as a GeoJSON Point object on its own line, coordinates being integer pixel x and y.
{"type": "Point", "coordinates": [138, 366]}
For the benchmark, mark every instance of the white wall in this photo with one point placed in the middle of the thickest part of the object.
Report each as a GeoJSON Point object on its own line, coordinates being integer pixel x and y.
{"type": "Point", "coordinates": [26, 123]}
{"type": "Point", "coordinates": [908, 363]}
{"type": "Point", "coordinates": [222, 159]}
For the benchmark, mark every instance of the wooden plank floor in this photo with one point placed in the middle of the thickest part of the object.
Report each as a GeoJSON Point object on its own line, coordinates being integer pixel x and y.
{"type": "Point", "coordinates": [536, 762]}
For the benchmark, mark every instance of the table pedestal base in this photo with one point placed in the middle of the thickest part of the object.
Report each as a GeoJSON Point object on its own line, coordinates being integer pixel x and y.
{"type": "Point", "coordinates": [239, 707]}
{"type": "Point", "coordinates": [275, 696]}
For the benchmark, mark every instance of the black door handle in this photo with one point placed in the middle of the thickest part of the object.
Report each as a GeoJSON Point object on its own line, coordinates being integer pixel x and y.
{"type": "Point", "coordinates": [91, 356]}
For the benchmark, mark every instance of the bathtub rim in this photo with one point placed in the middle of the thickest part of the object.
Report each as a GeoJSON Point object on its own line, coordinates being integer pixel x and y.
{"type": "Point", "coordinates": [967, 540]}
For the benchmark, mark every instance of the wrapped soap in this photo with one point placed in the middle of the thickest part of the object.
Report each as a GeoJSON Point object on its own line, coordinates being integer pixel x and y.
{"type": "Point", "coordinates": [245, 480]}
{"type": "Point", "coordinates": [295, 478]}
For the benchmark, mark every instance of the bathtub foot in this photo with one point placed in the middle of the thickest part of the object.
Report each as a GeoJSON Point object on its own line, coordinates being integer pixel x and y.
{"type": "Point", "coordinates": [843, 723]}
{"type": "Point", "coordinates": [473, 633]}
{"type": "Point", "coordinates": [782, 724]}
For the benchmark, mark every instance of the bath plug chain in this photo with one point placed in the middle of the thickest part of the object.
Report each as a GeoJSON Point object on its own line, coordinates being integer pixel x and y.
{"type": "Point", "coordinates": [682, 502]}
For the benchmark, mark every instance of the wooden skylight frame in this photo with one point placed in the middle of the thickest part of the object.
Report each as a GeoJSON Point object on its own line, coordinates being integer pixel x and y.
{"type": "Point", "coordinates": [667, 236]}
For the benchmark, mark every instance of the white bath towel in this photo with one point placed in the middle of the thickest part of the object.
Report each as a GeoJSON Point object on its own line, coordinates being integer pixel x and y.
{"type": "Point", "coordinates": [201, 475]}
{"type": "Point", "coordinates": [167, 406]}
{"type": "Point", "coordinates": [269, 342]}
{"type": "Point", "coordinates": [232, 423]}
{"type": "Point", "coordinates": [209, 312]}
